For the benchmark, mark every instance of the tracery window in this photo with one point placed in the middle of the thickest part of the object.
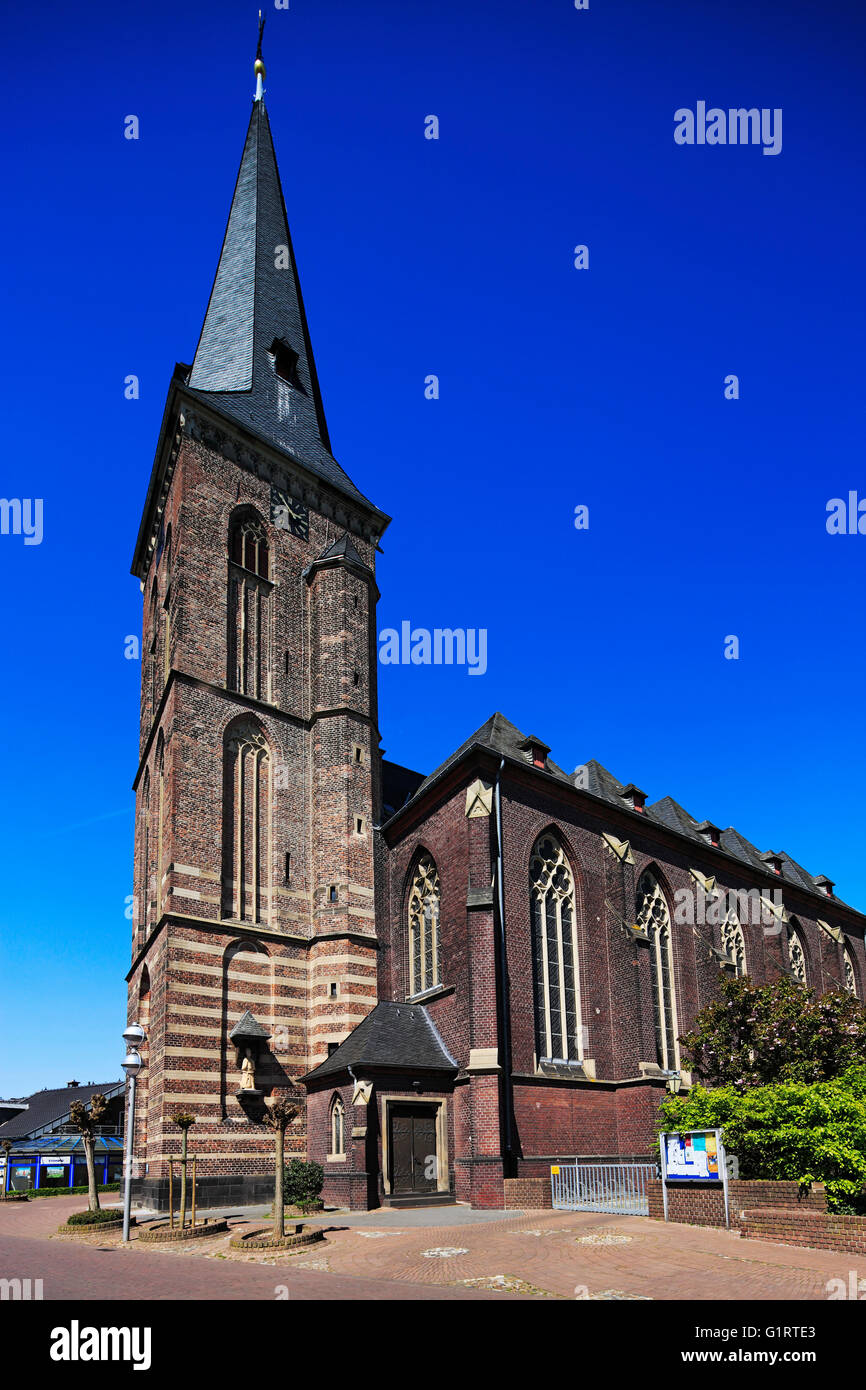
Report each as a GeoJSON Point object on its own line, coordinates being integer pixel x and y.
{"type": "Point", "coordinates": [797, 957]}
{"type": "Point", "coordinates": [246, 823]}
{"type": "Point", "coordinates": [424, 961]}
{"type": "Point", "coordinates": [249, 608]}
{"type": "Point", "coordinates": [654, 918]}
{"type": "Point", "coordinates": [554, 953]}
{"type": "Point", "coordinates": [338, 1126]}
{"type": "Point", "coordinates": [733, 942]}
{"type": "Point", "coordinates": [249, 544]}
{"type": "Point", "coordinates": [850, 977]}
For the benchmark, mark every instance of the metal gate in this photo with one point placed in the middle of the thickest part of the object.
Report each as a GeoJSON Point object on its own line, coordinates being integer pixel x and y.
{"type": "Point", "coordinates": [614, 1187]}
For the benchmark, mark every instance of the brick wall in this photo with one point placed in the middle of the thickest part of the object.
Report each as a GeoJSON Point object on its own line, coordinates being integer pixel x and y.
{"type": "Point", "coordinates": [703, 1204]}
{"type": "Point", "coordinates": [528, 1194]}
{"type": "Point", "coordinates": [818, 1230]}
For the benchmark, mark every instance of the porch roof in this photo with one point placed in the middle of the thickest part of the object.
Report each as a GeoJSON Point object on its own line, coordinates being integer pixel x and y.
{"type": "Point", "coordinates": [395, 1035]}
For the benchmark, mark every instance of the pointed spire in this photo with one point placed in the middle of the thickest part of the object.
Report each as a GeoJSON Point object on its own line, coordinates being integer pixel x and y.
{"type": "Point", "coordinates": [254, 361]}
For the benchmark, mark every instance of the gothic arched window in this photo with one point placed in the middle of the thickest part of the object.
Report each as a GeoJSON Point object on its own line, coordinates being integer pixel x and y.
{"type": "Point", "coordinates": [797, 958]}
{"type": "Point", "coordinates": [248, 546]}
{"type": "Point", "coordinates": [423, 953]}
{"type": "Point", "coordinates": [246, 823]}
{"type": "Point", "coordinates": [143, 905]}
{"type": "Point", "coordinates": [160, 823]}
{"type": "Point", "coordinates": [733, 942]}
{"type": "Point", "coordinates": [653, 917]}
{"type": "Point", "coordinates": [249, 618]}
{"type": "Point", "coordinates": [554, 953]}
{"type": "Point", "coordinates": [850, 977]}
{"type": "Point", "coordinates": [338, 1126]}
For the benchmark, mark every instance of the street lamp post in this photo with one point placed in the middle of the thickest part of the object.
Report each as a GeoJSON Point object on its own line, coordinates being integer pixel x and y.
{"type": "Point", "coordinates": [133, 1036]}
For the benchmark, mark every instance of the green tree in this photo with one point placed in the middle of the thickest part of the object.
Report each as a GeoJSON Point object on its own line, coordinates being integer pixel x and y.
{"type": "Point", "coordinates": [754, 1035]}
{"type": "Point", "coordinates": [787, 1130]}
{"type": "Point", "coordinates": [86, 1122]}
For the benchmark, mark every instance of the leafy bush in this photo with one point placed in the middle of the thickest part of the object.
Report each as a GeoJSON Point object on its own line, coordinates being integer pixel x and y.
{"type": "Point", "coordinates": [93, 1218]}
{"type": "Point", "coordinates": [789, 1130]}
{"type": "Point", "coordinates": [753, 1036]}
{"type": "Point", "coordinates": [302, 1182]}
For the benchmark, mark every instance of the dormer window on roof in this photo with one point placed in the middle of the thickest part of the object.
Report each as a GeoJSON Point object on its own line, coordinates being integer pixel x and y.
{"type": "Point", "coordinates": [286, 363]}
{"type": "Point", "coordinates": [535, 750]}
{"type": "Point", "coordinates": [633, 797]}
{"type": "Point", "coordinates": [709, 832]}
{"type": "Point", "coordinates": [824, 884]}
{"type": "Point", "coordinates": [773, 861]}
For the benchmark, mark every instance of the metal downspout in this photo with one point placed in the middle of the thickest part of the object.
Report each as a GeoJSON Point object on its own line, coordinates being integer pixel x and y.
{"type": "Point", "coordinates": [504, 1033]}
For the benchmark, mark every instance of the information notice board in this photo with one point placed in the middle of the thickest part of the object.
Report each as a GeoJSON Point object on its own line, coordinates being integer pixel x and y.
{"type": "Point", "coordinates": [696, 1155]}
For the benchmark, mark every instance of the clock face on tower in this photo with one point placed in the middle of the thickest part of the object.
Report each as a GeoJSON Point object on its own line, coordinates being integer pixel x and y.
{"type": "Point", "coordinates": [290, 515]}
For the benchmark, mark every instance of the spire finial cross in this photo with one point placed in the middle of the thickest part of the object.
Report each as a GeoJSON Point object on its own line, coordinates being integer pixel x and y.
{"type": "Point", "coordinates": [259, 66]}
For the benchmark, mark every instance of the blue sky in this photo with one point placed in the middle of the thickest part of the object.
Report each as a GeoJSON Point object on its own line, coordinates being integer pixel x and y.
{"type": "Point", "coordinates": [558, 387]}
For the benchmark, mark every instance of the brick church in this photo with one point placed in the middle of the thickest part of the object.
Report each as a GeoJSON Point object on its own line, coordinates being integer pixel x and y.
{"type": "Point", "coordinates": [460, 977]}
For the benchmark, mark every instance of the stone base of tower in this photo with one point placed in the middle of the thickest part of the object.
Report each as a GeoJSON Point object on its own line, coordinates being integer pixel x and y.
{"type": "Point", "coordinates": [233, 1190]}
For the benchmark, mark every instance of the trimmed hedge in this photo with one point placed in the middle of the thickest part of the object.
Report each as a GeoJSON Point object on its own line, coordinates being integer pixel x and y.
{"type": "Point", "coordinates": [93, 1218]}
{"type": "Point", "coordinates": [70, 1191]}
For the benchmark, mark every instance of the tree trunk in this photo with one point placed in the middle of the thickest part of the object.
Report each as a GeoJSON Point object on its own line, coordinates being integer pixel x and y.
{"type": "Point", "coordinates": [92, 1194]}
{"type": "Point", "coordinates": [183, 1180]}
{"type": "Point", "coordinates": [279, 1204]}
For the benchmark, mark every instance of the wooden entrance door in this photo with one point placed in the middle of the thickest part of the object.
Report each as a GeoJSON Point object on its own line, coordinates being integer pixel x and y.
{"type": "Point", "coordinates": [414, 1168]}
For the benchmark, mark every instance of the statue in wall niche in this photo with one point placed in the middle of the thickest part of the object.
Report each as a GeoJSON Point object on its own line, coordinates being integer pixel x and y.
{"type": "Point", "coordinates": [248, 1071]}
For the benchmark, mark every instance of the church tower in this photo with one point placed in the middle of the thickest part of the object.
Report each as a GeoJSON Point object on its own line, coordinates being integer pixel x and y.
{"type": "Point", "coordinates": [254, 944]}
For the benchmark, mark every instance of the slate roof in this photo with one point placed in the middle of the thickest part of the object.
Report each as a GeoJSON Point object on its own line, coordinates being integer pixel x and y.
{"type": "Point", "coordinates": [399, 785]}
{"type": "Point", "coordinates": [254, 304]}
{"type": "Point", "coordinates": [393, 1034]}
{"type": "Point", "coordinates": [248, 1027]}
{"type": "Point", "coordinates": [52, 1107]}
{"type": "Point", "coordinates": [343, 549]}
{"type": "Point", "coordinates": [675, 817]}
{"type": "Point", "coordinates": [498, 735]}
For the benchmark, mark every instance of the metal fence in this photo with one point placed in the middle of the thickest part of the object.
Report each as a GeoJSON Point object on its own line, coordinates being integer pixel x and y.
{"type": "Point", "coordinates": [613, 1187]}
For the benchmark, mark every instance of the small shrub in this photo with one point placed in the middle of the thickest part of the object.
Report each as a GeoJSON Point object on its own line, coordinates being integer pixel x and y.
{"type": "Point", "coordinates": [93, 1218]}
{"type": "Point", "coordinates": [302, 1182]}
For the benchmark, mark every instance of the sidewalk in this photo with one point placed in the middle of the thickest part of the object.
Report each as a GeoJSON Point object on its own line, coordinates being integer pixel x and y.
{"type": "Point", "coordinates": [451, 1252]}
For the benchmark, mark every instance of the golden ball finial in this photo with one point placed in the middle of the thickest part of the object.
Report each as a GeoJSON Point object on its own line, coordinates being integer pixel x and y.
{"type": "Point", "coordinates": [259, 68]}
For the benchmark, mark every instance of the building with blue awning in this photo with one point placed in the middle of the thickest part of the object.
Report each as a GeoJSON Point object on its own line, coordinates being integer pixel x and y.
{"type": "Point", "coordinates": [47, 1149]}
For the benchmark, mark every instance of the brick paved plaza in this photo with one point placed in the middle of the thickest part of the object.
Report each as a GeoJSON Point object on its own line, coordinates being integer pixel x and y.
{"type": "Point", "coordinates": [538, 1255]}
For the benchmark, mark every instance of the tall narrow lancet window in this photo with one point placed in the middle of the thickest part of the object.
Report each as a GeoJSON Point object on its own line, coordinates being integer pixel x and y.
{"type": "Point", "coordinates": [154, 660]}
{"type": "Point", "coordinates": [733, 942]}
{"type": "Point", "coordinates": [424, 958]}
{"type": "Point", "coordinates": [338, 1127]}
{"type": "Point", "coordinates": [246, 824]}
{"type": "Point", "coordinates": [554, 953]}
{"type": "Point", "coordinates": [160, 824]}
{"type": "Point", "coordinates": [166, 638]}
{"type": "Point", "coordinates": [249, 616]}
{"type": "Point", "coordinates": [797, 958]}
{"type": "Point", "coordinates": [850, 977]}
{"type": "Point", "coordinates": [143, 913]}
{"type": "Point", "coordinates": [654, 918]}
